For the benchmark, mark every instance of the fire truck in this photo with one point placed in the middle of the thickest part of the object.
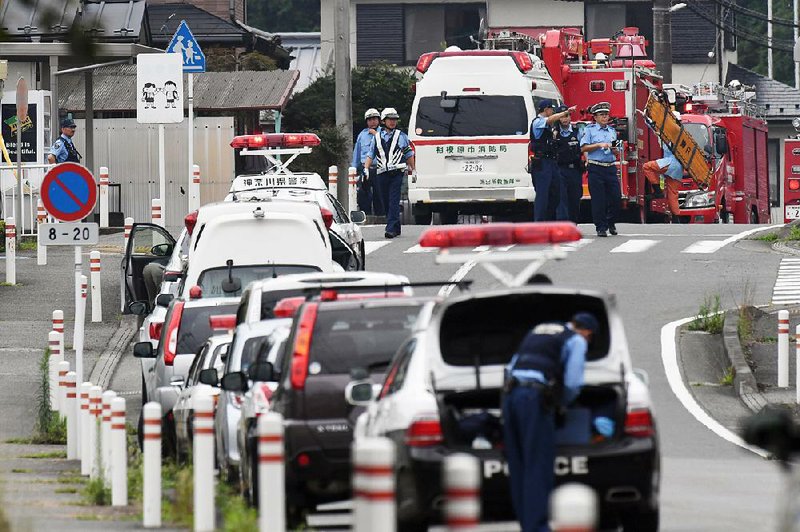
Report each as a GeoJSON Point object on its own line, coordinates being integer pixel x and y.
{"type": "Point", "coordinates": [791, 175]}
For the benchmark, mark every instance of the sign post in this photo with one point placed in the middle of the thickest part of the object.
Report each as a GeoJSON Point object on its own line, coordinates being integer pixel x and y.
{"type": "Point", "coordinates": [184, 43]}
{"type": "Point", "coordinates": [22, 115]}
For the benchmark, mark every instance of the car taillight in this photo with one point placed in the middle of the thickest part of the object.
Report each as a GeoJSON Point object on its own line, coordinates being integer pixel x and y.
{"type": "Point", "coordinates": [424, 432]}
{"type": "Point", "coordinates": [171, 344]}
{"type": "Point", "coordinates": [261, 396]}
{"type": "Point", "coordinates": [327, 217]}
{"type": "Point", "coordinates": [639, 423]}
{"type": "Point", "coordinates": [425, 60]}
{"type": "Point", "coordinates": [287, 307]}
{"type": "Point", "coordinates": [155, 329]}
{"type": "Point", "coordinates": [302, 346]}
{"type": "Point", "coordinates": [190, 220]}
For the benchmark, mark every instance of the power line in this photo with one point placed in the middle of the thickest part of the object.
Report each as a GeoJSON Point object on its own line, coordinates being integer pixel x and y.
{"type": "Point", "coordinates": [777, 44]}
{"type": "Point", "coordinates": [750, 13]}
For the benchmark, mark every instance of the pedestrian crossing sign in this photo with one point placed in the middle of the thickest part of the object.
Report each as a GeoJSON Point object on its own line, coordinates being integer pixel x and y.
{"type": "Point", "coordinates": [184, 43]}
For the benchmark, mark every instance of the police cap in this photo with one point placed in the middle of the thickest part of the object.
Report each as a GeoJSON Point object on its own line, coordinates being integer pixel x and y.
{"type": "Point", "coordinates": [586, 320]}
{"type": "Point", "coordinates": [68, 122]}
{"type": "Point", "coordinates": [602, 107]}
{"type": "Point", "coordinates": [561, 108]}
{"type": "Point", "coordinates": [544, 104]}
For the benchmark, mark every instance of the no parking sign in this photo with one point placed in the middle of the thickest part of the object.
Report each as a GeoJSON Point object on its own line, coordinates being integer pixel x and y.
{"type": "Point", "coordinates": [69, 192]}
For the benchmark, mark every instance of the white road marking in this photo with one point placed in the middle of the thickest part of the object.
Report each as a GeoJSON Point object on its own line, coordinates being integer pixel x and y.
{"type": "Point", "coordinates": [374, 245]}
{"type": "Point", "coordinates": [730, 240]}
{"type": "Point", "coordinates": [787, 285]}
{"type": "Point", "coordinates": [457, 277]}
{"type": "Point", "coordinates": [416, 248]}
{"type": "Point", "coordinates": [635, 246]}
{"type": "Point", "coordinates": [574, 246]}
{"type": "Point", "coordinates": [705, 246]}
{"type": "Point", "coordinates": [669, 357]}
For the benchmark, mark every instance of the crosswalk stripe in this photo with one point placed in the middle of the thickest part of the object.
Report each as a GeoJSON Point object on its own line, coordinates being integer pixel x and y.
{"type": "Point", "coordinates": [416, 248]}
{"type": "Point", "coordinates": [374, 245]}
{"type": "Point", "coordinates": [787, 284]}
{"type": "Point", "coordinates": [635, 246]}
{"type": "Point", "coordinates": [705, 246]}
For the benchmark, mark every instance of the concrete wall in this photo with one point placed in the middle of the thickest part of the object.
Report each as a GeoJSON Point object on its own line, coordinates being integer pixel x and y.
{"type": "Point", "coordinates": [556, 13]}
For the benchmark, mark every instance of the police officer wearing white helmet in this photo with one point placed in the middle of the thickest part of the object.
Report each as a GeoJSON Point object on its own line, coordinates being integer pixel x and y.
{"type": "Point", "coordinates": [392, 153]}
{"type": "Point", "coordinates": [361, 150]}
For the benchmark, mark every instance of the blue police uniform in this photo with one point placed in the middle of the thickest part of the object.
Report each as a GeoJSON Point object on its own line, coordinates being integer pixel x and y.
{"type": "Point", "coordinates": [570, 167]}
{"type": "Point", "coordinates": [389, 182]}
{"type": "Point", "coordinates": [671, 163]}
{"type": "Point", "coordinates": [552, 352]}
{"type": "Point", "coordinates": [368, 201]}
{"type": "Point", "coordinates": [545, 175]}
{"type": "Point", "coordinates": [604, 184]}
{"type": "Point", "coordinates": [64, 150]}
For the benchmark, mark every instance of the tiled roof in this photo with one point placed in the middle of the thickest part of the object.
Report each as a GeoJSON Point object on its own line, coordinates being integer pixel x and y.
{"type": "Point", "coordinates": [693, 36]}
{"type": "Point", "coordinates": [778, 99]}
{"type": "Point", "coordinates": [115, 90]}
{"type": "Point", "coordinates": [305, 51]}
{"type": "Point", "coordinates": [208, 29]}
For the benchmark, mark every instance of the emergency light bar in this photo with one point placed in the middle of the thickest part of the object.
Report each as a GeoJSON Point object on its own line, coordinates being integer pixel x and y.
{"type": "Point", "coordinates": [275, 140]}
{"type": "Point", "coordinates": [222, 322]}
{"type": "Point", "coordinates": [500, 234]}
{"type": "Point", "coordinates": [522, 59]}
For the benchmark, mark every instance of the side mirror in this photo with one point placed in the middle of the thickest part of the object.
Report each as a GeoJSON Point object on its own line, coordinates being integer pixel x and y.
{"type": "Point", "coordinates": [143, 350]}
{"type": "Point", "coordinates": [161, 250]}
{"type": "Point", "coordinates": [358, 217]}
{"type": "Point", "coordinates": [262, 372]}
{"type": "Point", "coordinates": [139, 308]}
{"type": "Point", "coordinates": [358, 393]}
{"type": "Point", "coordinates": [209, 376]}
{"type": "Point", "coordinates": [163, 300]}
{"type": "Point", "coordinates": [172, 277]}
{"type": "Point", "coordinates": [234, 382]}
{"type": "Point", "coordinates": [722, 144]}
{"type": "Point", "coordinates": [177, 381]}
{"type": "Point", "coordinates": [642, 375]}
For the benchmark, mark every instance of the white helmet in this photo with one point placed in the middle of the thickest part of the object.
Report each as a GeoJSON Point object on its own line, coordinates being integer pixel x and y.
{"type": "Point", "coordinates": [371, 113]}
{"type": "Point", "coordinates": [600, 56]}
{"type": "Point", "coordinates": [389, 112]}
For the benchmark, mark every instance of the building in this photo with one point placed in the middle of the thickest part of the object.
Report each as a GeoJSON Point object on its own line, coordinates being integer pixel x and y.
{"type": "Point", "coordinates": [306, 51]}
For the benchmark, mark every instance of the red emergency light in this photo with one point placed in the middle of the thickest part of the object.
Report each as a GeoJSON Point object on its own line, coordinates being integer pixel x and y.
{"type": "Point", "coordinates": [222, 322]}
{"type": "Point", "coordinates": [275, 140]}
{"type": "Point", "coordinates": [522, 59]}
{"type": "Point", "coordinates": [190, 220]}
{"type": "Point", "coordinates": [500, 234]}
{"type": "Point", "coordinates": [794, 184]}
{"type": "Point", "coordinates": [287, 307]}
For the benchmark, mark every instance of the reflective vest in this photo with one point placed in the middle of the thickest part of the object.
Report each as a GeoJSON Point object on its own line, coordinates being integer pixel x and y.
{"type": "Point", "coordinates": [73, 155]}
{"type": "Point", "coordinates": [568, 149]}
{"type": "Point", "coordinates": [389, 156]}
{"type": "Point", "coordinates": [544, 147]}
{"type": "Point", "coordinates": [541, 351]}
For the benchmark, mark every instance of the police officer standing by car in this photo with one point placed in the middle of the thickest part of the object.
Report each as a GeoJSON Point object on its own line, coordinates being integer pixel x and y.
{"type": "Point", "coordinates": [570, 167]}
{"type": "Point", "coordinates": [597, 141]}
{"type": "Point", "coordinates": [63, 149]}
{"type": "Point", "coordinates": [544, 374]}
{"type": "Point", "coordinates": [366, 196]}
{"type": "Point", "coordinates": [392, 153]}
{"type": "Point", "coordinates": [543, 166]}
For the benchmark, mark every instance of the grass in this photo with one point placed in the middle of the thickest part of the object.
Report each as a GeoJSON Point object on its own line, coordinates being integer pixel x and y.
{"type": "Point", "coordinates": [236, 514]}
{"type": "Point", "coordinates": [745, 326]}
{"type": "Point", "coordinates": [96, 493]}
{"type": "Point", "coordinates": [19, 441]}
{"type": "Point", "coordinates": [178, 510]}
{"type": "Point", "coordinates": [766, 340]}
{"type": "Point", "coordinates": [49, 427]}
{"type": "Point", "coordinates": [71, 480]}
{"type": "Point", "coordinates": [50, 454]}
{"type": "Point", "coordinates": [767, 237]}
{"type": "Point", "coordinates": [727, 378]}
{"type": "Point", "coordinates": [26, 243]}
{"type": "Point", "coordinates": [709, 318]}
{"type": "Point", "coordinates": [794, 233]}
{"type": "Point", "coordinates": [21, 470]}
{"type": "Point", "coordinates": [66, 490]}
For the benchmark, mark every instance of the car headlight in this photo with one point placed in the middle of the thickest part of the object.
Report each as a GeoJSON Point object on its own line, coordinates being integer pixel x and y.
{"type": "Point", "coordinates": [699, 199]}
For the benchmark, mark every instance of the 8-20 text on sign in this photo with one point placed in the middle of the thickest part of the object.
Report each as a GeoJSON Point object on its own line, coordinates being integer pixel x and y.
{"type": "Point", "coordinates": [68, 234]}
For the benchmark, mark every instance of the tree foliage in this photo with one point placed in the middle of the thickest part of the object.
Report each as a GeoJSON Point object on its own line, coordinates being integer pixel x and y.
{"type": "Point", "coordinates": [753, 55]}
{"type": "Point", "coordinates": [284, 15]}
{"type": "Point", "coordinates": [221, 59]}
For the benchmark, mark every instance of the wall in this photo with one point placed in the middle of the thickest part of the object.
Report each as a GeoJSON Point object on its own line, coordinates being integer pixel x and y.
{"type": "Point", "coordinates": [540, 13]}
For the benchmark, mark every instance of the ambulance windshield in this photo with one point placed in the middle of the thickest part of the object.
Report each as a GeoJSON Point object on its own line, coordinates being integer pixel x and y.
{"type": "Point", "coordinates": [472, 116]}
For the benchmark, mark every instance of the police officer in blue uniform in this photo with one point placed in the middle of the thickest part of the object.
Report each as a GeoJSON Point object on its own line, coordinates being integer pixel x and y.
{"type": "Point", "coordinates": [544, 169]}
{"type": "Point", "coordinates": [392, 153]}
{"type": "Point", "coordinates": [63, 149]}
{"type": "Point", "coordinates": [597, 142]}
{"type": "Point", "coordinates": [366, 196]}
{"type": "Point", "coordinates": [570, 167]}
{"type": "Point", "coordinates": [544, 374]}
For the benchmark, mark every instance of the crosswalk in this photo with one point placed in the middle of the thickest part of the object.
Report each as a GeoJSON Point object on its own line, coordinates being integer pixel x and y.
{"type": "Point", "coordinates": [787, 286]}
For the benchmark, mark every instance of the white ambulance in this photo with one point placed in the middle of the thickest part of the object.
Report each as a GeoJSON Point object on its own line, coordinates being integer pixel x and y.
{"type": "Point", "coordinates": [470, 129]}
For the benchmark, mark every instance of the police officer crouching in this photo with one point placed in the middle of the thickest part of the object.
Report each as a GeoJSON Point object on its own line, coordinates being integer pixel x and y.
{"type": "Point", "coordinates": [545, 374]}
{"type": "Point", "coordinates": [543, 166]}
{"type": "Point", "coordinates": [596, 143]}
{"type": "Point", "coordinates": [570, 167]}
{"type": "Point", "coordinates": [63, 149]}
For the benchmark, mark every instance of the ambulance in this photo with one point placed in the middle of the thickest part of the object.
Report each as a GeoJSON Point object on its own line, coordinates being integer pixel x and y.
{"type": "Point", "coordinates": [469, 126]}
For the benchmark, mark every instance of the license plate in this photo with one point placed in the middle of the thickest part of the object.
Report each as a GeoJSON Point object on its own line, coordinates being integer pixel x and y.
{"type": "Point", "coordinates": [472, 166]}
{"type": "Point", "coordinates": [792, 212]}
{"type": "Point", "coordinates": [563, 465]}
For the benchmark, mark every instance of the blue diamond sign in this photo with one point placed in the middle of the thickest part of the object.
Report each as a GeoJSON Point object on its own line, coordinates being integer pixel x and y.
{"type": "Point", "coordinates": [184, 43]}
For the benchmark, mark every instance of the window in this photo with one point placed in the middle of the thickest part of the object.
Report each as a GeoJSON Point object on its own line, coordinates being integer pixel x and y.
{"type": "Point", "coordinates": [397, 373]}
{"type": "Point", "coordinates": [195, 328]}
{"type": "Point", "coordinates": [774, 154]}
{"type": "Point", "coordinates": [472, 116]}
{"type": "Point", "coordinates": [211, 280]}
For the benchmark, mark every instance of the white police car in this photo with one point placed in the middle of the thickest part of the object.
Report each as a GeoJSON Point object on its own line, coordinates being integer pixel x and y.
{"type": "Point", "coordinates": [442, 394]}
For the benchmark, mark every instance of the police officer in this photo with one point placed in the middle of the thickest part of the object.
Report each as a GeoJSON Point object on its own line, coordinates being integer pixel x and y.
{"type": "Point", "coordinates": [570, 167]}
{"type": "Point", "coordinates": [597, 141]}
{"type": "Point", "coordinates": [392, 153]}
{"type": "Point", "coordinates": [63, 150]}
{"type": "Point", "coordinates": [544, 374]}
{"type": "Point", "coordinates": [366, 196]}
{"type": "Point", "coordinates": [544, 169]}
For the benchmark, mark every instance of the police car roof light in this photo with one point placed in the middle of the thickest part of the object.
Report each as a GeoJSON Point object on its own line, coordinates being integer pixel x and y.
{"type": "Point", "coordinates": [190, 220]}
{"type": "Point", "coordinates": [287, 307]}
{"type": "Point", "coordinates": [522, 59]}
{"type": "Point", "coordinates": [500, 234]}
{"type": "Point", "coordinates": [222, 322]}
{"type": "Point", "coordinates": [275, 140]}
{"type": "Point", "coordinates": [195, 292]}
{"type": "Point", "coordinates": [327, 217]}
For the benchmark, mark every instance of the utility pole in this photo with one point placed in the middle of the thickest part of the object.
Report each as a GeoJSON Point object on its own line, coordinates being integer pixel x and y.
{"type": "Point", "coordinates": [662, 38]}
{"type": "Point", "coordinates": [794, 31]}
{"type": "Point", "coordinates": [344, 100]}
{"type": "Point", "coordinates": [769, 39]}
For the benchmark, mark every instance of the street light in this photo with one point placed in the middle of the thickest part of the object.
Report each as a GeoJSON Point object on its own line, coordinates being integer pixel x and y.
{"type": "Point", "coordinates": [677, 7]}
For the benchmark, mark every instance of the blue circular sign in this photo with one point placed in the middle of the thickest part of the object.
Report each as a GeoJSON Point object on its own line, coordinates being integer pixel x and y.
{"type": "Point", "coordinates": [69, 192]}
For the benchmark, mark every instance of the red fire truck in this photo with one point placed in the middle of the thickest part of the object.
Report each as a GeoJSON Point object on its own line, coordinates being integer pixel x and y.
{"type": "Point", "coordinates": [791, 178]}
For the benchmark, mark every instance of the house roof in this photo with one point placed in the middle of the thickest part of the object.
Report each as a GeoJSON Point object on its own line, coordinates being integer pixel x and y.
{"type": "Point", "coordinates": [207, 28]}
{"type": "Point", "coordinates": [115, 90]}
{"type": "Point", "coordinates": [305, 50]}
{"type": "Point", "coordinates": [779, 100]}
{"type": "Point", "coordinates": [693, 36]}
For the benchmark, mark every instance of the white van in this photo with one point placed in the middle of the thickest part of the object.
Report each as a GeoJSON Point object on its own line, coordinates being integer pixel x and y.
{"type": "Point", "coordinates": [470, 127]}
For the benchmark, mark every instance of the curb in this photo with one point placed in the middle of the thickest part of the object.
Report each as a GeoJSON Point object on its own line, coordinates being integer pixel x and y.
{"type": "Point", "coordinates": [744, 382]}
{"type": "Point", "coordinates": [780, 247]}
{"type": "Point", "coordinates": [104, 369]}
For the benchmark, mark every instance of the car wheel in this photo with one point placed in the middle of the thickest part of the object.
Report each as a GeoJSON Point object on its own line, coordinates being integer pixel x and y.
{"type": "Point", "coordinates": [410, 516]}
{"type": "Point", "coordinates": [253, 480]}
{"type": "Point", "coordinates": [643, 520]}
{"type": "Point", "coordinates": [140, 431]}
{"type": "Point", "coordinates": [448, 217]}
{"type": "Point", "coordinates": [295, 517]}
{"type": "Point", "coordinates": [168, 442]}
{"type": "Point", "coordinates": [144, 392]}
{"type": "Point", "coordinates": [363, 256]}
{"type": "Point", "coordinates": [423, 218]}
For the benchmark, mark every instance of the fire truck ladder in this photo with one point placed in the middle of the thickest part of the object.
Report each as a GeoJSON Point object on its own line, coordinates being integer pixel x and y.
{"type": "Point", "coordinates": [664, 124]}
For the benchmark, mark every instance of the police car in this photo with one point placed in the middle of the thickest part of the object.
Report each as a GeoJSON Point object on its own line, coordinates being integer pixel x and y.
{"type": "Point", "coordinates": [279, 182]}
{"type": "Point", "coordinates": [442, 392]}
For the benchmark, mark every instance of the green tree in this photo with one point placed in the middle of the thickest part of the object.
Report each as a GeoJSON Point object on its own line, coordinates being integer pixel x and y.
{"type": "Point", "coordinates": [752, 53]}
{"type": "Point", "coordinates": [284, 15]}
{"type": "Point", "coordinates": [220, 59]}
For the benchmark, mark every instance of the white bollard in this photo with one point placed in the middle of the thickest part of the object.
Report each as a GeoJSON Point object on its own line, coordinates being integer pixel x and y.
{"type": "Point", "coordinates": [194, 193]}
{"type": "Point", "coordinates": [97, 300]}
{"type": "Point", "coordinates": [573, 508]}
{"type": "Point", "coordinates": [203, 463]}
{"type": "Point", "coordinates": [155, 212]}
{"type": "Point", "coordinates": [271, 491]}
{"type": "Point", "coordinates": [52, 368]}
{"type": "Point", "coordinates": [119, 454]}
{"type": "Point", "coordinates": [373, 485]}
{"type": "Point", "coordinates": [58, 321]}
{"type": "Point", "coordinates": [103, 197]}
{"type": "Point", "coordinates": [80, 326]}
{"type": "Point", "coordinates": [352, 191]}
{"type": "Point", "coordinates": [105, 436]}
{"type": "Point", "coordinates": [333, 179]}
{"type": "Point", "coordinates": [151, 498]}
{"type": "Point", "coordinates": [95, 411]}
{"type": "Point", "coordinates": [41, 217]}
{"type": "Point", "coordinates": [61, 395]}
{"type": "Point", "coordinates": [462, 483]}
{"type": "Point", "coordinates": [11, 251]}
{"type": "Point", "coordinates": [73, 409]}
{"type": "Point", "coordinates": [83, 426]}
{"type": "Point", "coordinates": [783, 349]}
{"type": "Point", "coordinates": [127, 233]}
